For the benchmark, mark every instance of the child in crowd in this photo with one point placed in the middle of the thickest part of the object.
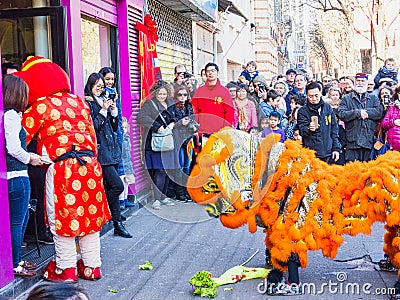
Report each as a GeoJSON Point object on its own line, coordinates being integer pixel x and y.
{"type": "Point", "coordinates": [292, 125]}
{"type": "Point", "coordinates": [249, 73]}
{"type": "Point", "coordinates": [387, 71]}
{"type": "Point", "coordinates": [333, 98]}
{"type": "Point", "coordinates": [253, 131]}
{"type": "Point", "coordinates": [296, 135]}
{"type": "Point", "coordinates": [274, 120]}
{"type": "Point", "coordinates": [129, 175]}
{"type": "Point", "coordinates": [263, 123]}
{"type": "Point", "coordinates": [271, 104]}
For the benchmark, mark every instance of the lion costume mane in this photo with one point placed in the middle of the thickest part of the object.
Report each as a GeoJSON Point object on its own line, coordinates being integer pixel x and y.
{"type": "Point", "coordinates": [301, 202]}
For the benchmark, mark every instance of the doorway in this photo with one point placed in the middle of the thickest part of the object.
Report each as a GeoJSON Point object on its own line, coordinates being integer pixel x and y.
{"type": "Point", "coordinates": [33, 31]}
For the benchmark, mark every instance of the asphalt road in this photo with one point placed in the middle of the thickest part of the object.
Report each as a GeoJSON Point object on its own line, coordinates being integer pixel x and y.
{"type": "Point", "coordinates": [182, 240]}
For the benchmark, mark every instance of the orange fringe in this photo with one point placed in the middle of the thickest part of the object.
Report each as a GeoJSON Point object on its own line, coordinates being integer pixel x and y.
{"type": "Point", "coordinates": [347, 199]}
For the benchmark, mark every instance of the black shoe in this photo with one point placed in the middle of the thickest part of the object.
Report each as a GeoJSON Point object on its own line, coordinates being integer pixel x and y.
{"type": "Point", "coordinates": [46, 239]}
{"type": "Point", "coordinates": [123, 218]}
{"type": "Point", "coordinates": [120, 230]}
{"type": "Point", "coordinates": [181, 198]}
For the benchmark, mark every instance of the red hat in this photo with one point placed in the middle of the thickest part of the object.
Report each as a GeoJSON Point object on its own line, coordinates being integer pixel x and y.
{"type": "Point", "coordinates": [43, 77]}
{"type": "Point", "coordinates": [362, 75]}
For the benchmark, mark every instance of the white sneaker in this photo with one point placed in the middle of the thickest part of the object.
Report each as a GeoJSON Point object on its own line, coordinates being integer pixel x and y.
{"type": "Point", "coordinates": [167, 202]}
{"type": "Point", "coordinates": [156, 205]}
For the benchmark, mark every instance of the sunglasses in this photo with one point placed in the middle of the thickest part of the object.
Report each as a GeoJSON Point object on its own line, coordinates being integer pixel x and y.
{"type": "Point", "coordinates": [180, 95]}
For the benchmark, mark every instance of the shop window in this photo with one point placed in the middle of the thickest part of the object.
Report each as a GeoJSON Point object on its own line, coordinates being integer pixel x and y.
{"type": "Point", "coordinates": [36, 31]}
{"type": "Point", "coordinates": [96, 45]}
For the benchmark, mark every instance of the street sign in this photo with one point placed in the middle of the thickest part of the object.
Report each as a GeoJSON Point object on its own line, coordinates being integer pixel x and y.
{"type": "Point", "coordinates": [299, 52]}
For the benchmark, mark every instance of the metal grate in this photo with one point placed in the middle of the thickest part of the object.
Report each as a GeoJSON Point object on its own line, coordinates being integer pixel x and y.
{"type": "Point", "coordinates": [30, 253]}
{"type": "Point", "coordinates": [172, 27]}
{"type": "Point", "coordinates": [141, 175]}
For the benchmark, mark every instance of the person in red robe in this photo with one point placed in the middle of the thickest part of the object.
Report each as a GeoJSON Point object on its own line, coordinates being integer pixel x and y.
{"type": "Point", "coordinates": [75, 201]}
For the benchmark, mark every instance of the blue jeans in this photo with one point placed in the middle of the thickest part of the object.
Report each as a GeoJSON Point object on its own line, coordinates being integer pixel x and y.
{"type": "Point", "coordinates": [184, 159]}
{"type": "Point", "coordinates": [19, 190]}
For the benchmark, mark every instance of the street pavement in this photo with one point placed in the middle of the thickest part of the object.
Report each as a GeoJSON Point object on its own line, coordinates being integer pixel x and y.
{"type": "Point", "coordinates": [182, 240]}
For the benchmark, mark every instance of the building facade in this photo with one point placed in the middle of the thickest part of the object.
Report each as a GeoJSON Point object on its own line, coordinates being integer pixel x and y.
{"type": "Point", "coordinates": [80, 36]}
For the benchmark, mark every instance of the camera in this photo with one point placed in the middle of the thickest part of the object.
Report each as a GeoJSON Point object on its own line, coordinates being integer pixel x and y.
{"type": "Point", "coordinates": [185, 74]}
{"type": "Point", "coordinates": [112, 96]}
{"type": "Point", "coordinates": [193, 125]}
{"type": "Point", "coordinates": [386, 99]}
{"type": "Point", "coordinates": [262, 88]}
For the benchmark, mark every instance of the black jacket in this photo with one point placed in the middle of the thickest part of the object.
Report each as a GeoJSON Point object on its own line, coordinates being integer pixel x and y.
{"type": "Point", "coordinates": [149, 117]}
{"type": "Point", "coordinates": [325, 139]}
{"type": "Point", "coordinates": [182, 134]}
{"type": "Point", "coordinates": [359, 132]}
{"type": "Point", "coordinates": [109, 152]}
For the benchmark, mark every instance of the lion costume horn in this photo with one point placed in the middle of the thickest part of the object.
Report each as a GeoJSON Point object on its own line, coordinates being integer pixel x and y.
{"type": "Point", "coordinates": [43, 77]}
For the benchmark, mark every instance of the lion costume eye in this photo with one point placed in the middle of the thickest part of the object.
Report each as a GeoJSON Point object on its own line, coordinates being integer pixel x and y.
{"type": "Point", "coordinates": [211, 186]}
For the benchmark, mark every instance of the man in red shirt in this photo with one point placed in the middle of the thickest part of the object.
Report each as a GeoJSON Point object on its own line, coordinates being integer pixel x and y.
{"type": "Point", "coordinates": [212, 103]}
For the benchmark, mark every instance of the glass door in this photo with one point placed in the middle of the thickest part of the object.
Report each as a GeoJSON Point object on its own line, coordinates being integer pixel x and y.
{"type": "Point", "coordinates": [33, 31]}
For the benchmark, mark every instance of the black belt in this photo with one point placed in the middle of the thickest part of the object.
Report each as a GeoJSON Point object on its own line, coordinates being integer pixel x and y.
{"type": "Point", "coordinates": [75, 154]}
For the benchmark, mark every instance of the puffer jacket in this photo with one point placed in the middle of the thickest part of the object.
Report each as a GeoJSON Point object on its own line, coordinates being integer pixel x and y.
{"type": "Point", "coordinates": [393, 131]}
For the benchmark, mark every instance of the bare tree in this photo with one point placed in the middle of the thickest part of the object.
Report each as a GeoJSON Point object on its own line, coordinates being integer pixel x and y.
{"type": "Point", "coordinates": [319, 47]}
{"type": "Point", "coordinates": [375, 11]}
{"type": "Point", "coordinates": [381, 24]}
{"type": "Point", "coordinates": [343, 7]}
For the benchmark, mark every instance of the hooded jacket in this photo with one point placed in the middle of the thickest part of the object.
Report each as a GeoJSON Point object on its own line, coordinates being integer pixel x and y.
{"type": "Point", "coordinates": [393, 131]}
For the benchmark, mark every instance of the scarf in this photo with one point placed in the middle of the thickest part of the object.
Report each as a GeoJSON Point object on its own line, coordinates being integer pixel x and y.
{"type": "Point", "coordinates": [180, 105]}
{"type": "Point", "coordinates": [317, 106]}
{"type": "Point", "coordinates": [243, 118]}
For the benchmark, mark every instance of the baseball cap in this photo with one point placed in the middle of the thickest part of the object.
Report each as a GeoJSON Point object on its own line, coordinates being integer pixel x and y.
{"type": "Point", "coordinates": [291, 71]}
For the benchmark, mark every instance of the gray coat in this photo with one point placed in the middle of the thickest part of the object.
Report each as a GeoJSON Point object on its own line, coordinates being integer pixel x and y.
{"type": "Point", "coordinates": [359, 132]}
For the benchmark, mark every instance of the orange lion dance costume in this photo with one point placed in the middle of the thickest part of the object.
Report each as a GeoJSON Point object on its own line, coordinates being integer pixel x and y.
{"type": "Point", "coordinates": [302, 202]}
{"type": "Point", "coordinates": [75, 200]}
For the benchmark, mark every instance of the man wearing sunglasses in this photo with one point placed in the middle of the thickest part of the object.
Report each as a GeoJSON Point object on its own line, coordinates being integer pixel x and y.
{"type": "Point", "coordinates": [212, 103]}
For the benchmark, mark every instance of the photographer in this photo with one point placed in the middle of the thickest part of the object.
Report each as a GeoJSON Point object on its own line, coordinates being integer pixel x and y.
{"type": "Point", "coordinates": [105, 118]}
{"type": "Point", "coordinates": [299, 90]}
{"type": "Point", "coordinates": [181, 76]}
{"type": "Point", "coordinates": [385, 96]}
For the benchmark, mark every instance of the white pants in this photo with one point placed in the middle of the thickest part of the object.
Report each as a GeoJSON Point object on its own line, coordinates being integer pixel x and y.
{"type": "Point", "coordinates": [66, 254]}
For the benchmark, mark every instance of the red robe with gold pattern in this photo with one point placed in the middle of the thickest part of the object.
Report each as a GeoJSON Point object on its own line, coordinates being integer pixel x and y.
{"type": "Point", "coordinates": [60, 121]}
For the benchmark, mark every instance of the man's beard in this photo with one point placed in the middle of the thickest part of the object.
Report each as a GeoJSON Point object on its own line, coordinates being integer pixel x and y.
{"type": "Point", "coordinates": [360, 89]}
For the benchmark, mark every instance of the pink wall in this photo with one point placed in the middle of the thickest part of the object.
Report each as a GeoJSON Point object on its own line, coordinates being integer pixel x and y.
{"type": "Point", "coordinates": [127, 95]}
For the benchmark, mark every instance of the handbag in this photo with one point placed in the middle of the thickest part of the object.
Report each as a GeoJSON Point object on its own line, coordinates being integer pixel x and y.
{"type": "Point", "coordinates": [164, 140]}
{"type": "Point", "coordinates": [380, 147]}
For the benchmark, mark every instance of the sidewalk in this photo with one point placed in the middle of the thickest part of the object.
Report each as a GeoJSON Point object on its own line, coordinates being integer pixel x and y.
{"type": "Point", "coordinates": [182, 240]}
